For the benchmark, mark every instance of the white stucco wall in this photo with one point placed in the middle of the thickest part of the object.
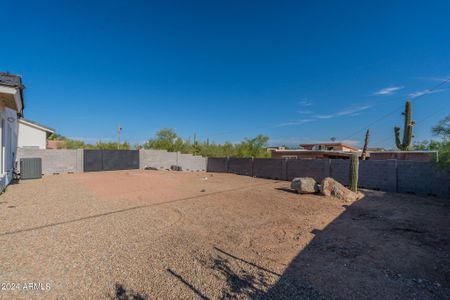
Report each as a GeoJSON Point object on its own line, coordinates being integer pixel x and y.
{"type": "Point", "coordinates": [31, 137]}
{"type": "Point", "coordinates": [8, 144]}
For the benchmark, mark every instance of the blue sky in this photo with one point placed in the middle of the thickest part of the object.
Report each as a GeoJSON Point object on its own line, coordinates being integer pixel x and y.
{"type": "Point", "coordinates": [297, 71]}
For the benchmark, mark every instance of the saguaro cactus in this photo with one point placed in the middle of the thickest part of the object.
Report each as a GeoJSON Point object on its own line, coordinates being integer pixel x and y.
{"type": "Point", "coordinates": [366, 144]}
{"type": "Point", "coordinates": [407, 130]}
{"type": "Point", "coordinates": [354, 171]}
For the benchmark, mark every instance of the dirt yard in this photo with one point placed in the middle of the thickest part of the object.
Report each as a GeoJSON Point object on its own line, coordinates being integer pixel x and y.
{"type": "Point", "coordinates": [177, 235]}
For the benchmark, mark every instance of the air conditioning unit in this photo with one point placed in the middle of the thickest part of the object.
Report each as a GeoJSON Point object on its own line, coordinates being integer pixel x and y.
{"type": "Point", "coordinates": [30, 168]}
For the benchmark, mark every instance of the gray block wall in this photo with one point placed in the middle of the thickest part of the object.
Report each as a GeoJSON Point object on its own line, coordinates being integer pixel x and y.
{"type": "Point", "coordinates": [378, 175]}
{"type": "Point", "coordinates": [422, 178]}
{"type": "Point", "coordinates": [339, 170]}
{"type": "Point", "coordinates": [162, 159]}
{"type": "Point", "coordinates": [55, 161]}
{"type": "Point", "coordinates": [159, 159]}
{"type": "Point", "coordinates": [190, 162]}
{"type": "Point", "coordinates": [315, 168]}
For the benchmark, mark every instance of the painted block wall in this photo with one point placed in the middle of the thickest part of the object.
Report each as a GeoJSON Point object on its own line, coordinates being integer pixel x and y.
{"type": "Point", "coordinates": [217, 164]}
{"type": "Point", "coordinates": [240, 166]}
{"type": "Point", "coordinates": [271, 168]}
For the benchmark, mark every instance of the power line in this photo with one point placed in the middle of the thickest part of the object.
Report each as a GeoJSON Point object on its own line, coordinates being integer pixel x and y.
{"type": "Point", "coordinates": [425, 92]}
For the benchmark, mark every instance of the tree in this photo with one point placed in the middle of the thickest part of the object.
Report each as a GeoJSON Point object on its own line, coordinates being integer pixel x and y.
{"type": "Point", "coordinates": [72, 144]}
{"type": "Point", "coordinates": [254, 147]}
{"type": "Point", "coordinates": [111, 146]}
{"type": "Point", "coordinates": [442, 129]}
{"type": "Point", "coordinates": [165, 140]}
{"type": "Point", "coordinates": [56, 137]}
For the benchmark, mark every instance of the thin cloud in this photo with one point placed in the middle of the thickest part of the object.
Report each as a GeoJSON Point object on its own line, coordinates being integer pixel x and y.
{"type": "Point", "coordinates": [305, 102]}
{"type": "Point", "coordinates": [388, 90]}
{"type": "Point", "coordinates": [348, 112]}
{"type": "Point", "coordinates": [435, 79]}
{"type": "Point", "coordinates": [305, 112]}
{"type": "Point", "coordinates": [297, 122]}
{"type": "Point", "coordinates": [424, 92]}
{"type": "Point", "coordinates": [351, 111]}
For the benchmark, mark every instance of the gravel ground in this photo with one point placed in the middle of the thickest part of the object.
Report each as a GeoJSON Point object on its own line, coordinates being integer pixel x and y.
{"type": "Point", "coordinates": [179, 235]}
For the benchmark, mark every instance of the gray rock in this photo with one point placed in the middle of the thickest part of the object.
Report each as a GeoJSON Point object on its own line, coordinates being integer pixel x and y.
{"type": "Point", "coordinates": [304, 185]}
{"type": "Point", "coordinates": [331, 187]}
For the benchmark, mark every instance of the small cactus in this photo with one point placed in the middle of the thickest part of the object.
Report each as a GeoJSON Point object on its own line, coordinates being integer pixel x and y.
{"type": "Point", "coordinates": [407, 130]}
{"type": "Point", "coordinates": [353, 174]}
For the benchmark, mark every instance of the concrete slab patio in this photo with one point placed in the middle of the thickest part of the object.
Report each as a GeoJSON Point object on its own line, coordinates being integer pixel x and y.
{"type": "Point", "coordinates": [181, 235]}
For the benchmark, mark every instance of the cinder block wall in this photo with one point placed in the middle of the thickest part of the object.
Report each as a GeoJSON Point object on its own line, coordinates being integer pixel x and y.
{"type": "Point", "coordinates": [422, 178]}
{"type": "Point", "coordinates": [378, 175]}
{"type": "Point", "coordinates": [55, 161]}
{"type": "Point", "coordinates": [189, 162]}
{"type": "Point", "coordinates": [315, 168]}
{"type": "Point", "coordinates": [65, 161]}
{"type": "Point", "coordinates": [162, 159]}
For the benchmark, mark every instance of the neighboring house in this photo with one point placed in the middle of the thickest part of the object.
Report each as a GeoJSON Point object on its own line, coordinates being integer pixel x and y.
{"type": "Point", "coordinates": [270, 149]}
{"type": "Point", "coordinates": [330, 147]}
{"type": "Point", "coordinates": [11, 108]}
{"type": "Point", "coordinates": [33, 135]}
{"type": "Point", "coordinates": [313, 151]}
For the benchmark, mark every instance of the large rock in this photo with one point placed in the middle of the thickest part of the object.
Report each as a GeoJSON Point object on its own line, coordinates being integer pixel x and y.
{"type": "Point", "coordinates": [304, 185]}
{"type": "Point", "coordinates": [331, 187]}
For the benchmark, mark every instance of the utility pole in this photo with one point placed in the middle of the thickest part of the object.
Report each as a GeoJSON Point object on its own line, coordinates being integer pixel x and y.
{"type": "Point", "coordinates": [119, 129]}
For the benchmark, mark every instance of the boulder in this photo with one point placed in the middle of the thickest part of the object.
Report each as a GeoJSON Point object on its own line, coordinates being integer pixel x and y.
{"type": "Point", "coordinates": [304, 185]}
{"type": "Point", "coordinates": [331, 187]}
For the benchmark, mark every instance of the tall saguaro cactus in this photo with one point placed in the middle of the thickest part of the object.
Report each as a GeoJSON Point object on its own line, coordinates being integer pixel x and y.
{"type": "Point", "coordinates": [407, 130]}
{"type": "Point", "coordinates": [354, 172]}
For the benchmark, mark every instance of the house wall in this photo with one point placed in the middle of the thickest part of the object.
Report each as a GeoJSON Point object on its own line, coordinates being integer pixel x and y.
{"type": "Point", "coordinates": [308, 154]}
{"type": "Point", "coordinates": [31, 137]}
{"type": "Point", "coordinates": [422, 178]}
{"type": "Point", "coordinates": [8, 144]}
